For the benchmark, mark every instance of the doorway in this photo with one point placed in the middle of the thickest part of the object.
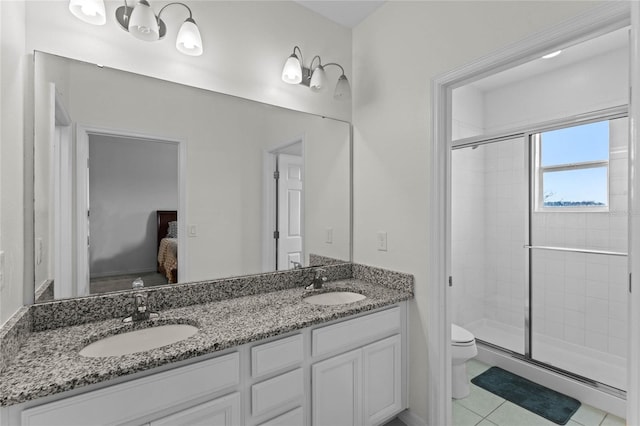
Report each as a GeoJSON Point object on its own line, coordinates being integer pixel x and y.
{"type": "Point", "coordinates": [284, 207]}
{"type": "Point", "coordinates": [126, 179]}
{"type": "Point", "coordinates": [600, 20]}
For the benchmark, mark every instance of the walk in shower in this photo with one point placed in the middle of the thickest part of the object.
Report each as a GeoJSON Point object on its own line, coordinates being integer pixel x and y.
{"type": "Point", "coordinates": [539, 244]}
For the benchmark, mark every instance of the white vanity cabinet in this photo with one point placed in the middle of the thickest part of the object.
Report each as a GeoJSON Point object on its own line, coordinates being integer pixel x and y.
{"type": "Point", "coordinates": [223, 411]}
{"type": "Point", "coordinates": [361, 386]}
{"type": "Point", "coordinates": [347, 372]}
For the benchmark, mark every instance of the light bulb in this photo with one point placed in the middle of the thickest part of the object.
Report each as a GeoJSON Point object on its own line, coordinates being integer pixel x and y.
{"type": "Point", "coordinates": [343, 89]}
{"type": "Point", "coordinates": [318, 79]}
{"type": "Point", "coordinates": [292, 71]}
{"type": "Point", "coordinates": [143, 23]}
{"type": "Point", "coordinates": [89, 11]}
{"type": "Point", "coordinates": [189, 40]}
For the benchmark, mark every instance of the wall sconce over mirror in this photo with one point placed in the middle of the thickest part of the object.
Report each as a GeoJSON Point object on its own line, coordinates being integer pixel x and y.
{"type": "Point", "coordinates": [314, 77]}
{"type": "Point", "coordinates": [142, 22]}
{"type": "Point", "coordinates": [89, 11]}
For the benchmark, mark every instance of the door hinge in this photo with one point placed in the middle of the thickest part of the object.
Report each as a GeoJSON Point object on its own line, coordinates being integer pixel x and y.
{"type": "Point", "coordinates": [276, 235]}
{"type": "Point", "coordinates": [276, 175]}
{"type": "Point", "coordinates": [629, 282]}
{"type": "Point", "coordinates": [450, 281]}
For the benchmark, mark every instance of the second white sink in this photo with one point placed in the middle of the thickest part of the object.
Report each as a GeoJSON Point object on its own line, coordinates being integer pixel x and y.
{"type": "Point", "coordinates": [139, 340]}
{"type": "Point", "coordinates": [334, 298]}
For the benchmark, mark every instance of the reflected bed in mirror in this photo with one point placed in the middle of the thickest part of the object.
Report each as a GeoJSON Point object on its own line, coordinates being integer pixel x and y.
{"type": "Point", "coordinates": [252, 188]}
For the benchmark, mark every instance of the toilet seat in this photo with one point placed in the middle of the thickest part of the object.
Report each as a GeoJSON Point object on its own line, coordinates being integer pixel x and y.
{"type": "Point", "coordinates": [461, 337]}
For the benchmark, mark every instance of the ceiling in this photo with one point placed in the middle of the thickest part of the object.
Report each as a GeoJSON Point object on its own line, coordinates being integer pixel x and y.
{"type": "Point", "coordinates": [347, 13]}
{"type": "Point", "coordinates": [573, 54]}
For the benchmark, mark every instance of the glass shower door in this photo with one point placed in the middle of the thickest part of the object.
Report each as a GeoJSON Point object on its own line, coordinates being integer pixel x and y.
{"type": "Point", "coordinates": [489, 232]}
{"type": "Point", "coordinates": [579, 250]}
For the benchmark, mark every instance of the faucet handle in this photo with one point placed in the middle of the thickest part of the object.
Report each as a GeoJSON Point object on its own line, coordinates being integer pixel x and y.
{"type": "Point", "coordinates": [296, 265]}
{"type": "Point", "coordinates": [137, 283]}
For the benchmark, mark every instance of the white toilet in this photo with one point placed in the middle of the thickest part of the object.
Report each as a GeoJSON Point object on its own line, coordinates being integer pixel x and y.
{"type": "Point", "coordinates": [463, 348]}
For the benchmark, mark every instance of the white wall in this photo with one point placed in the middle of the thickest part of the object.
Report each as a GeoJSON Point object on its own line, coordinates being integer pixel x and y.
{"type": "Point", "coordinates": [397, 51]}
{"type": "Point", "coordinates": [591, 85]}
{"type": "Point", "coordinates": [129, 180]}
{"type": "Point", "coordinates": [13, 149]}
{"type": "Point", "coordinates": [245, 46]}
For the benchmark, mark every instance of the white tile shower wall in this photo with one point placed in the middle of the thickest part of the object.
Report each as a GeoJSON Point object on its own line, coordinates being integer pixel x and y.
{"type": "Point", "coordinates": [468, 235]}
{"type": "Point", "coordinates": [505, 207]}
{"type": "Point", "coordinates": [577, 297]}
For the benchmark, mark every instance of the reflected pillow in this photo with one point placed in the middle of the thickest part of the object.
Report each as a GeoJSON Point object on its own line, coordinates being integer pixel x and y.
{"type": "Point", "coordinates": [172, 232]}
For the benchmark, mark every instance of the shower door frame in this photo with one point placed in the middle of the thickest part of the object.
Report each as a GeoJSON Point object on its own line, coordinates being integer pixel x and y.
{"type": "Point", "coordinates": [526, 133]}
{"type": "Point", "coordinates": [596, 21]}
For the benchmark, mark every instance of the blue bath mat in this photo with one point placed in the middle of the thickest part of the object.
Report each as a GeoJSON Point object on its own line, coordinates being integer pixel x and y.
{"type": "Point", "coordinates": [536, 398]}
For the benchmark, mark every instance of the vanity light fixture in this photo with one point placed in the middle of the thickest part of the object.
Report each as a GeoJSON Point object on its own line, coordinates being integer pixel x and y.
{"type": "Point", "coordinates": [294, 72]}
{"type": "Point", "coordinates": [89, 11]}
{"type": "Point", "coordinates": [142, 23]}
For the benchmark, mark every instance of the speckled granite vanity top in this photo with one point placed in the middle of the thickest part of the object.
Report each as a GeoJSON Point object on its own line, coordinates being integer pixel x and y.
{"type": "Point", "coordinates": [47, 362]}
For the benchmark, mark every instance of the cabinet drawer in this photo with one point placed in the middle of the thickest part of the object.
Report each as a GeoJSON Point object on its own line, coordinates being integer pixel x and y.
{"type": "Point", "coordinates": [273, 356]}
{"type": "Point", "coordinates": [293, 417]}
{"type": "Point", "coordinates": [224, 411]}
{"type": "Point", "coordinates": [140, 397]}
{"type": "Point", "coordinates": [356, 332]}
{"type": "Point", "coordinates": [272, 393]}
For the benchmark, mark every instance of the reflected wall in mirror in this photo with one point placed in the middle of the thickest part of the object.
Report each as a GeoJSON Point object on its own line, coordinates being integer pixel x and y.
{"type": "Point", "coordinates": [136, 176]}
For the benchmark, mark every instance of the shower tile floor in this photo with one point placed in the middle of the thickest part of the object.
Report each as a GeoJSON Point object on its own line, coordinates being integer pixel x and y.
{"type": "Point", "coordinates": [482, 408]}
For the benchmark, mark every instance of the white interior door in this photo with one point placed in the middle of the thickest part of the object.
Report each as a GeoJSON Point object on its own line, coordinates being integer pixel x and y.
{"type": "Point", "coordinates": [290, 205]}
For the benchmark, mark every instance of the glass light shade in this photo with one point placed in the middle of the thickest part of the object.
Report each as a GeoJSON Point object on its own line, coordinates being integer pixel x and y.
{"type": "Point", "coordinates": [189, 41]}
{"type": "Point", "coordinates": [143, 23]}
{"type": "Point", "coordinates": [318, 79]}
{"type": "Point", "coordinates": [343, 89]}
{"type": "Point", "coordinates": [292, 71]}
{"type": "Point", "coordinates": [89, 11]}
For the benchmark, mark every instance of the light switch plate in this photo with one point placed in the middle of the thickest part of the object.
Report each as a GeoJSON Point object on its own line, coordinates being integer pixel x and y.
{"type": "Point", "coordinates": [328, 236]}
{"type": "Point", "coordinates": [381, 241]}
{"type": "Point", "coordinates": [193, 230]}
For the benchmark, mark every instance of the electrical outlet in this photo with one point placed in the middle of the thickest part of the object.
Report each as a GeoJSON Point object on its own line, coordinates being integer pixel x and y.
{"type": "Point", "coordinates": [381, 241]}
{"type": "Point", "coordinates": [328, 235]}
{"type": "Point", "coordinates": [193, 231]}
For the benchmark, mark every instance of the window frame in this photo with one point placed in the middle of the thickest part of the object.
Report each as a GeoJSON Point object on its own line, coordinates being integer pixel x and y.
{"type": "Point", "coordinates": [540, 170]}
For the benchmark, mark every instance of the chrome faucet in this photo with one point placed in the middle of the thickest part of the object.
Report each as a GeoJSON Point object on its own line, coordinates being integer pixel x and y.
{"type": "Point", "coordinates": [318, 280]}
{"type": "Point", "coordinates": [296, 265]}
{"type": "Point", "coordinates": [141, 310]}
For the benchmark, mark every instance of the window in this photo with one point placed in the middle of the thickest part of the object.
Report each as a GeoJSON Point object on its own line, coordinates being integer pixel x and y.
{"type": "Point", "coordinates": [573, 167]}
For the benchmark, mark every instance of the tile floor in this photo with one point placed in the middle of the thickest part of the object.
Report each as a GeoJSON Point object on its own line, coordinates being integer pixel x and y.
{"type": "Point", "coordinates": [482, 408]}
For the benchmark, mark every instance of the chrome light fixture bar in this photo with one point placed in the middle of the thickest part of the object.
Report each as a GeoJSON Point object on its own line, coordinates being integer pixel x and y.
{"type": "Point", "coordinates": [294, 72]}
{"type": "Point", "coordinates": [142, 23]}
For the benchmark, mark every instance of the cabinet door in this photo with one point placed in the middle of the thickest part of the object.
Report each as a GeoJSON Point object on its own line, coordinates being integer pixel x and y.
{"type": "Point", "coordinates": [223, 411]}
{"type": "Point", "coordinates": [336, 391]}
{"type": "Point", "coordinates": [382, 379]}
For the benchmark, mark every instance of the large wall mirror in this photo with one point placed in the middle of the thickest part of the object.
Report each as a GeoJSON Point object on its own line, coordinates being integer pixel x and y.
{"type": "Point", "coordinates": [140, 177]}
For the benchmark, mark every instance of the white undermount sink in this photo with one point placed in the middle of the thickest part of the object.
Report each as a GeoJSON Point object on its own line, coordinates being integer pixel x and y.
{"type": "Point", "coordinates": [138, 340]}
{"type": "Point", "coordinates": [334, 298]}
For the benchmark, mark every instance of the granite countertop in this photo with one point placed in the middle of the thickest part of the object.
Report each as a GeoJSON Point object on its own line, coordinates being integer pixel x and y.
{"type": "Point", "coordinates": [48, 361]}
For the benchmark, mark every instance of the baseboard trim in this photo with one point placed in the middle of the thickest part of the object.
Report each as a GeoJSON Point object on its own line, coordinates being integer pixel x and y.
{"type": "Point", "coordinates": [411, 419]}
